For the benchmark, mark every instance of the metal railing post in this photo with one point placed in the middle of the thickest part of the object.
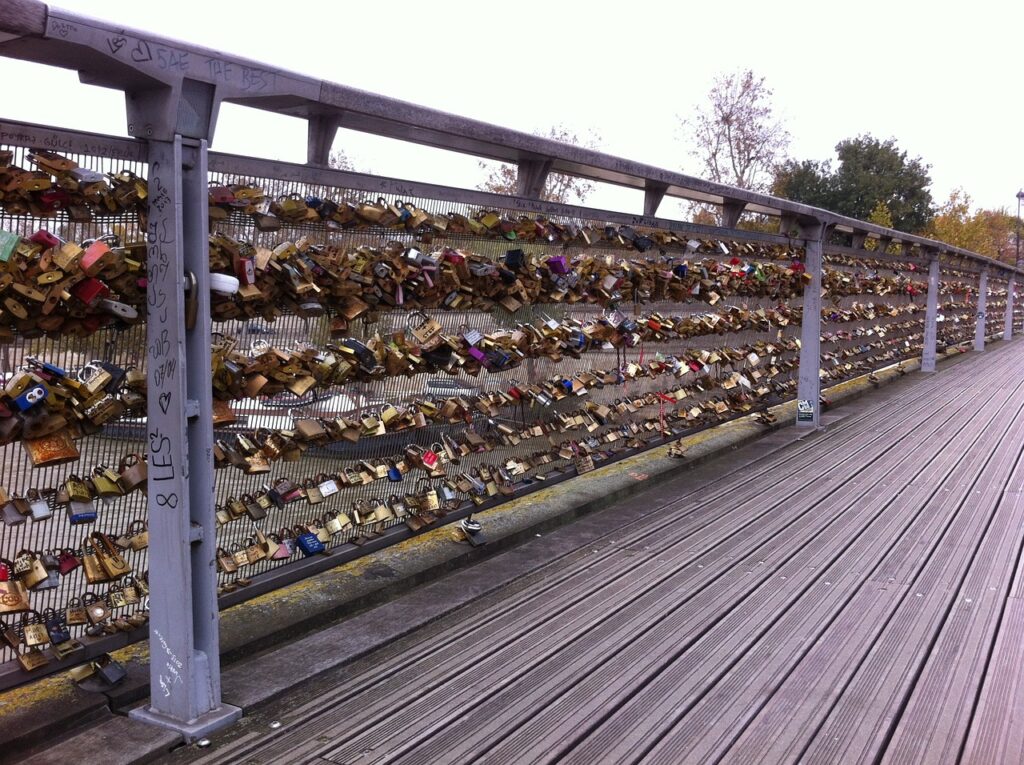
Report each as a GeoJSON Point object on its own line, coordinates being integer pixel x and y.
{"type": "Point", "coordinates": [1011, 285]}
{"type": "Point", "coordinates": [931, 316]}
{"type": "Point", "coordinates": [809, 387]}
{"type": "Point", "coordinates": [183, 629]}
{"type": "Point", "coordinates": [979, 328]}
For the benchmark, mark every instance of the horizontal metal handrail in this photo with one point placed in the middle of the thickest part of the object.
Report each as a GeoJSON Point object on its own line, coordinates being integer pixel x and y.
{"type": "Point", "coordinates": [139, 62]}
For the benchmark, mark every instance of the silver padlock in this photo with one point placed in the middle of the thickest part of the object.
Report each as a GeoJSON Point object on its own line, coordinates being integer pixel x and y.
{"type": "Point", "coordinates": [39, 508]}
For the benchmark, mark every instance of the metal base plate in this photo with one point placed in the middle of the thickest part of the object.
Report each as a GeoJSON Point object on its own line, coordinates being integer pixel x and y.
{"type": "Point", "coordinates": [191, 730]}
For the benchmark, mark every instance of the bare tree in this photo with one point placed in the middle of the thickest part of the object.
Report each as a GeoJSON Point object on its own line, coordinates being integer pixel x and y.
{"type": "Point", "coordinates": [736, 135]}
{"type": "Point", "coordinates": [339, 160]}
{"type": "Point", "coordinates": [558, 187]}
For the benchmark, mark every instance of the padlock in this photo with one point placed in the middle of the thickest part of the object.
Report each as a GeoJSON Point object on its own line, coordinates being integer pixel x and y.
{"type": "Point", "coordinates": [110, 671]}
{"type": "Point", "coordinates": [82, 512]}
{"type": "Point", "coordinates": [29, 568]}
{"type": "Point", "coordinates": [515, 259]}
{"type": "Point", "coordinates": [335, 524]}
{"type": "Point", "coordinates": [558, 264]}
{"type": "Point", "coordinates": [426, 330]}
{"type": "Point", "coordinates": [245, 270]}
{"type": "Point", "coordinates": [288, 544]}
{"type": "Point", "coordinates": [116, 598]}
{"type": "Point", "coordinates": [398, 507]}
{"type": "Point", "coordinates": [225, 561]}
{"type": "Point", "coordinates": [429, 458]}
{"type": "Point", "coordinates": [39, 508]}
{"type": "Point", "coordinates": [446, 493]}
{"type": "Point", "coordinates": [138, 535]}
{"type": "Point", "coordinates": [239, 555]}
{"type": "Point", "coordinates": [12, 511]}
{"type": "Point", "coordinates": [254, 550]}
{"type": "Point", "coordinates": [75, 613]}
{"type": "Point", "coordinates": [32, 659]}
{"type": "Point", "coordinates": [472, 337]}
{"type": "Point", "coordinates": [105, 481]}
{"type": "Point", "coordinates": [308, 542]}
{"type": "Point", "coordinates": [313, 494]}
{"type": "Point", "coordinates": [94, 378]}
{"type": "Point", "coordinates": [67, 561]}
{"type": "Point", "coordinates": [34, 632]}
{"type": "Point", "coordinates": [328, 486]}
{"type": "Point", "coordinates": [76, 489]}
{"type": "Point", "coordinates": [90, 291]}
{"type": "Point", "coordinates": [428, 495]}
{"type": "Point", "coordinates": [32, 396]}
{"type": "Point", "coordinates": [52, 566]}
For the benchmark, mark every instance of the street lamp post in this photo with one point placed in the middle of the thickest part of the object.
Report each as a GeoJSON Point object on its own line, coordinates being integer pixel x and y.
{"type": "Point", "coordinates": [1020, 196]}
{"type": "Point", "coordinates": [1011, 286]}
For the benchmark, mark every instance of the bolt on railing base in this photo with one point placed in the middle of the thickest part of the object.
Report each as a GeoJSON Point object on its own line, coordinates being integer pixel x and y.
{"type": "Point", "coordinates": [191, 730]}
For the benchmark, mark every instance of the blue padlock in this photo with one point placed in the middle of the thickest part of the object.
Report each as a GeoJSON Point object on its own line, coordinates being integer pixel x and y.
{"type": "Point", "coordinates": [680, 271]}
{"type": "Point", "coordinates": [394, 474]}
{"type": "Point", "coordinates": [515, 259]}
{"type": "Point", "coordinates": [82, 512]}
{"type": "Point", "coordinates": [310, 544]}
{"type": "Point", "coordinates": [48, 369]}
{"type": "Point", "coordinates": [30, 397]}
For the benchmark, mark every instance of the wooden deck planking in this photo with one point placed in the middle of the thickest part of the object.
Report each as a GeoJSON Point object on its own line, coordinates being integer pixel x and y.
{"type": "Point", "coordinates": [403, 688]}
{"type": "Point", "coordinates": [516, 748]}
{"type": "Point", "coordinates": [694, 738]}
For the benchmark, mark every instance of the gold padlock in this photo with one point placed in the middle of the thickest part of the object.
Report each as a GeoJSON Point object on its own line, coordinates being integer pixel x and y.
{"type": "Point", "coordinates": [105, 481]}
{"type": "Point", "coordinates": [34, 633]}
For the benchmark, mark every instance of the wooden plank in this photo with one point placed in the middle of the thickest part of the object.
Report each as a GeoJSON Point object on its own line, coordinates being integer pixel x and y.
{"type": "Point", "coordinates": [533, 702]}
{"type": "Point", "coordinates": [726, 711]}
{"type": "Point", "coordinates": [861, 722]}
{"type": "Point", "coordinates": [935, 722]}
{"type": "Point", "coordinates": [403, 691]}
{"type": "Point", "coordinates": [997, 730]}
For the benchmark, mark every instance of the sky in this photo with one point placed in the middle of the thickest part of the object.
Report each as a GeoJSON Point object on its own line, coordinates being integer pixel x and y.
{"type": "Point", "coordinates": [943, 79]}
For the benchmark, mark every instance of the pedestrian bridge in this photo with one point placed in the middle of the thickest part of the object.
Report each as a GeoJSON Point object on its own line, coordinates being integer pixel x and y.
{"type": "Point", "coordinates": [850, 595]}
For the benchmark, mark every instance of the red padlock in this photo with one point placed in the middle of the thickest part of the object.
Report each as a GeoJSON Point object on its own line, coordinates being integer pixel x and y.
{"type": "Point", "coordinates": [92, 324]}
{"type": "Point", "coordinates": [429, 459]}
{"type": "Point", "coordinates": [245, 270]}
{"type": "Point", "coordinates": [95, 258]}
{"type": "Point", "coordinates": [51, 200]}
{"type": "Point", "coordinates": [45, 238]}
{"type": "Point", "coordinates": [90, 291]}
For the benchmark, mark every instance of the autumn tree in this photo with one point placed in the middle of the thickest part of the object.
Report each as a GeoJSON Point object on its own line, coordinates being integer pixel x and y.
{"type": "Point", "coordinates": [870, 172]}
{"type": "Point", "coordinates": [986, 232]}
{"type": "Point", "coordinates": [565, 189]}
{"type": "Point", "coordinates": [735, 134]}
{"type": "Point", "coordinates": [880, 216]}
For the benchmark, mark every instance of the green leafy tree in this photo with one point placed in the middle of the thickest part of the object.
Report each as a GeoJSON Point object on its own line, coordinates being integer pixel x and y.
{"type": "Point", "coordinates": [805, 181]}
{"type": "Point", "coordinates": [869, 171]}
